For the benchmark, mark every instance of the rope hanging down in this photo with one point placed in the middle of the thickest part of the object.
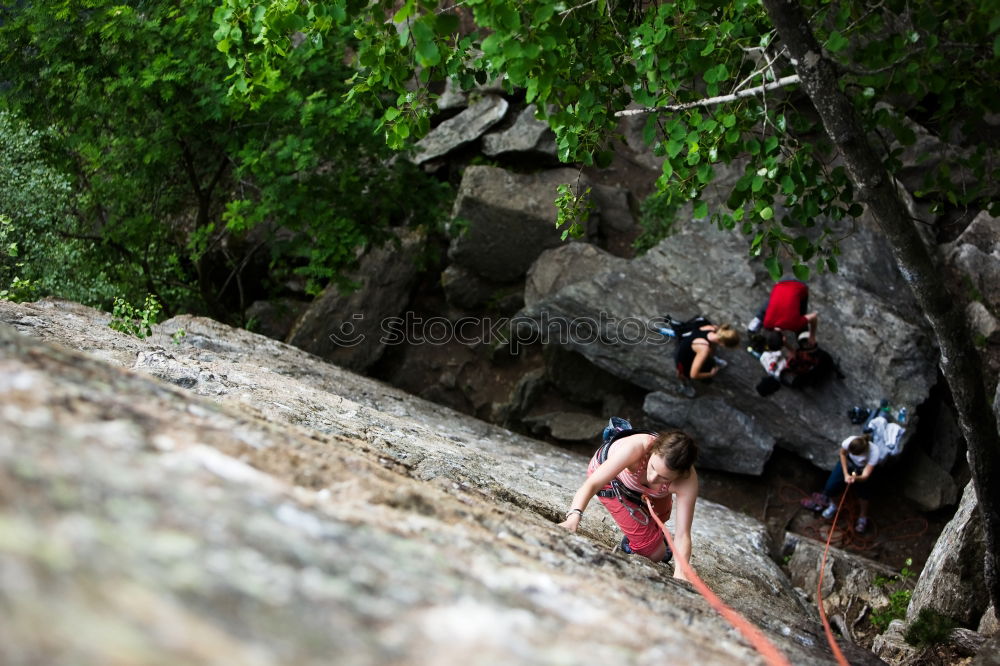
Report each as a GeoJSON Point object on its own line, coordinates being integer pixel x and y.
{"type": "Point", "coordinates": [838, 655]}
{"type": "Point", "coordinates": [756, 637]}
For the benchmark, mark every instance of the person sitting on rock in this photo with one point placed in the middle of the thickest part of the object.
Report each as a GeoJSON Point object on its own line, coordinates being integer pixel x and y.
{"type": "Point", "coordinates": [695, 356]}
{"type": "Point", "coordinates": [858, 457]}
{"type": "Point", "coordinates": [636, 463]}
{"type": "Point", "coordinates": [786, 310]}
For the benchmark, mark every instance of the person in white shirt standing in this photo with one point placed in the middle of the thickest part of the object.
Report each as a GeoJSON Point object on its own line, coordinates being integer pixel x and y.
{"type": "Point", "coordinates": [858, 457]}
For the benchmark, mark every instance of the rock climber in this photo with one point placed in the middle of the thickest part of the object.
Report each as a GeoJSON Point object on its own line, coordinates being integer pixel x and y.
{"type": "Point", "coordinates": [635, 463]}
{"type": "Point", "coordinates": [695, 356]}
{"type": "Point", "coordinates": [858, 457]}
{"type": "Point", "coordinates": [787, 310]}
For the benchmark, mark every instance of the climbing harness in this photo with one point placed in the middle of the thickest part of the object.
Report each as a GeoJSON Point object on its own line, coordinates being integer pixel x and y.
{"type": "Point", "coordinates": [618, 490]}
{"type": "Point", "coordinates": [756, 637]}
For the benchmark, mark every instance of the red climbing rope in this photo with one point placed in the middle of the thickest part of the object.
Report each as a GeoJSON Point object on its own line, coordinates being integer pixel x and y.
{"type": "Point", "coordinates": [756, 637]}
{"type": "Point", "coordinates": [819, 588]}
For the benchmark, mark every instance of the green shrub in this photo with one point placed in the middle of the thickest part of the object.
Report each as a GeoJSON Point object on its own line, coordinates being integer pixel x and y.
{"type": "Point", "coordinates": [930, 628]}
{"type": "Point", "coordinates": [895, 610]}
{"type": "Point", "coordinates": [131, 320]}
{"type": "Point", "coordinates": [899, 598]}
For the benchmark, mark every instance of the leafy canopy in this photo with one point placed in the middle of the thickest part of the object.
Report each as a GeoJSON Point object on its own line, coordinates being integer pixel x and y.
{"type": "Point", "coordinates": [584, 62]}
{"type": "Point", "coordinates": [167, 185]}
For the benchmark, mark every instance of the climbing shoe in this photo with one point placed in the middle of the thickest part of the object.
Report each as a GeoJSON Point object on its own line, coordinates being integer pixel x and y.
{"type": "Point", "coordinates": [861, 526]}
{"type": "Point", "coordinates": [626, 548]}
{"type": "Point", "coordinates": [829, 511]}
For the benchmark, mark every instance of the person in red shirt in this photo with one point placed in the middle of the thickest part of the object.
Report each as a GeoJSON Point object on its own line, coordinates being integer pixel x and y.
{"type": "Point", "coordinates": [786, 309]}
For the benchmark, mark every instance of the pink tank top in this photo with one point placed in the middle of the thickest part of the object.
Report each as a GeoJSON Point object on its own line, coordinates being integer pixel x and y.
{"type": "Point", "coordinates": [634, 480]}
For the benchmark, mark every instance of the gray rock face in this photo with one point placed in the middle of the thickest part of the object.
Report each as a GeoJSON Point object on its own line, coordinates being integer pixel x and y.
{"type": "Point", "coordinates": [982, 322]}
{"type": "Point", "coordinates": [615, 211]}
{"type": "Point", "coordinates": [293, 512]}
{"type": "Point", "coordinates": [728, 438]}
{"type": "Point", "coordinates": [467, 126]}
{"type": "Point", "coordinates": [868, 321]}
{"type": "Point", "coordinates": [975, 256]}
{"type": "Point", "coordinates": [927, 483]}
{"type": "Point", "coordinates": [511, 220]}
{"type": "Point", "coordinates": [465, 289]}
{"type": "Point", "coordinates": [849, 582]}
{"type": "Point", "coordinates": [352, 329]}
{"type": "Point", "coordinates": [562, 266]}
{"type": "Point", "coordinates": [952, 580]}
{"type": "Point", "coordinates": [892, 647]}
{"type": "Point", "coordinates": [275, 318]}
{"type": "Point", "coordinates": [526, 135]}
{"type": "Point", "coordinates": [566, 426]}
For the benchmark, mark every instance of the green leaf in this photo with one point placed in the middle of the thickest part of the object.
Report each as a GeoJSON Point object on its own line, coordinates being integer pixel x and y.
{"type": "Point", "coordinates": [766, 213]}
{"type": "Point", "coordinates": [773, 267]}
{"type": "Point", "coordinates": [836, 42]}
{"type": "Point", "coordinates": [801, 271]}
{"type": "Point", "coordinates": [700, 210]}
{"type": "Point", "coordinates": [426, 50]}
{"type": "Point", "coordinates": [801, 244]}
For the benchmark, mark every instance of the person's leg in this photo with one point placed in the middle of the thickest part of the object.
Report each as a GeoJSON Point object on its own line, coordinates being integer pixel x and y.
{"type": "Point", "coordinates": [662, 506]}
{"type": "Point", "coordinates": [835, 482]}
{"type": "Point", "coordinates": [643, 539]}
{"type": "Point", "coordinates": [863, 492]}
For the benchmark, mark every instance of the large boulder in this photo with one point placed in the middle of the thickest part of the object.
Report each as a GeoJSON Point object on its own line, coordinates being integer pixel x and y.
{"type": "Point", "coordinates": [275, 318]}
{"type": "Point", "coordinates": [464, 128]}
{"type": "Point", "coordinates": [528, 136]}
{"type": "Point", "coordinates": [869, 322]}
{"type": "Point", "coordinates": [851, 586]}
{"type": "Point", "coordinates": [465, 289]}
{"type": "Point", "coordinates": [510, 220]}
{"type": "Point", "coordinates": [716, 426]}
{"type": "Point", "coordinates": [975, 257]}
{"type": "Point", "coordinates": [952, 582]}
{"type": "Point", "coordinates": [563, 265]}
{"type": "Point", "coordinates": [353, 328]}
{"type": "Point", "coordinates": [305, 511]}
{"type": "Point", "coordinates": [927, 484]}
{"type": "Point", "coordinates": [614, 206]}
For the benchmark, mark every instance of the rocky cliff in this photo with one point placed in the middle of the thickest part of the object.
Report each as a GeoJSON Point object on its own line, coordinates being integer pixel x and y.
{"type": "Point", "coordinates": [220, 497]}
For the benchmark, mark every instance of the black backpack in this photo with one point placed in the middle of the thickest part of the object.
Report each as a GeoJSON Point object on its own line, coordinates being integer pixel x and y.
{"type": "Point", "coordinates": [618, 428]}
{"type": "Point", "coordinates": [683, 329]}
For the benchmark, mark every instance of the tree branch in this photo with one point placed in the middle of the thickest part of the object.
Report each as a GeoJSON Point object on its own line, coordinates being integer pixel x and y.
{"type": "Point", "coordinates": [710, 101]}
{"type": "Point", "coordinates": [566, 12]}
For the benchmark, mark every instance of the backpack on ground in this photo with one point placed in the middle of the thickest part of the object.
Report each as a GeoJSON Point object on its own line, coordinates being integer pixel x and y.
{"type": "Point", "coordinates": [809, 367]}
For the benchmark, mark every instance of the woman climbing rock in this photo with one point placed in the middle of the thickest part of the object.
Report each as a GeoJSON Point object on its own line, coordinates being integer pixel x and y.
{"type": "Point", "coordinates": [631, 464]}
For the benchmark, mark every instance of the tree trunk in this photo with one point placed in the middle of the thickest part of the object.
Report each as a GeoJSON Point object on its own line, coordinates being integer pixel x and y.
{"type": "Point", "coordinates": [960, 362]}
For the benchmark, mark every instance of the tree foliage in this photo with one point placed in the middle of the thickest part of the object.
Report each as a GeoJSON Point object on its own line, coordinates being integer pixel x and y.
{"type": "Point", "coordinates": [37, 251]}
{"type": "Point", "coordinates": [584, 63]}
{"type": "Point", "coordinates": [176, 189]}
